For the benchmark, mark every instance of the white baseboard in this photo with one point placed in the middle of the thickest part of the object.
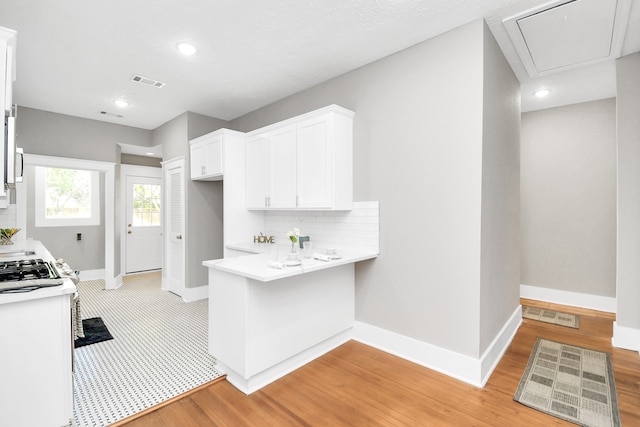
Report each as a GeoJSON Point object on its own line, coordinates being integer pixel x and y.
{"type": "Point", "coordinates": [261, 379]}
{"type": "Point", "coordinates": [195, 294]}
{"type": "Point", "coordinates": [118, 281]}
{"type": "Point", "coordinates": [499, 345]}
{"type": "Point", "coordinates": [574, 299]}
{"type": "Point", "coordinates": [462, 367]}
{"type": "Point", "coordinates": [92, 274]}
{"type": "Point", "coordinates": [625, 337]}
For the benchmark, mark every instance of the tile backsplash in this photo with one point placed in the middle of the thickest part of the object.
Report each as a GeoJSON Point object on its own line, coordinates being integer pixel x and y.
{"type": "Point", "coordinates": [359, 227]}
{"type": "Point", "coordinates": [8, 218]}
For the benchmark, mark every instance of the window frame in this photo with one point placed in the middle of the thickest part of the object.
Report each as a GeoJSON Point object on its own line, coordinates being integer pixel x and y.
{"type": "Point", "coordinates": [39, 214]}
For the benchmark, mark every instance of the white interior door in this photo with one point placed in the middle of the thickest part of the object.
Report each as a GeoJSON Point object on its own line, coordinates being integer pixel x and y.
{"type": "Point", "coordinates": [144, 224]}
{"type": "Point", "coordinates": [174, 185]}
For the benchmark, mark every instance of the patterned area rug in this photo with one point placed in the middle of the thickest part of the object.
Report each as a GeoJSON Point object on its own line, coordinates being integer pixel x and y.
{"type": "Point", "coordinates": [159, 350]}
{"type": "Point", "coordinates": [551, 316]}
{"type": "Point", "coordinates": [572, 383]}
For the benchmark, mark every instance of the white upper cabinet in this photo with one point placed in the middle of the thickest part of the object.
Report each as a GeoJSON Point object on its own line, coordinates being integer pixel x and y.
{"type": "Point", "coordinates": [7, 66]}
{"type": "Point", "coordinates": [302, 163]}
{"type": "Point", "coordinates": [257, 172]}
{"type": "Point", "coordinates": [282, 168]}
{"type": "Point", "coordinates": [7, 76]}
{"type": "Point", "coordinates": [206, 155]}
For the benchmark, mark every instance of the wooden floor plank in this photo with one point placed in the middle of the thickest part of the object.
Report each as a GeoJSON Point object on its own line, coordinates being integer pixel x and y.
{"type": "Point", "coordinates": [359, 385]}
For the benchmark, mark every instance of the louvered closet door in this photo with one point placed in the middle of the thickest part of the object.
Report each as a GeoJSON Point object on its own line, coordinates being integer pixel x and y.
{"type": "Point", "coordinates": [174, 214]}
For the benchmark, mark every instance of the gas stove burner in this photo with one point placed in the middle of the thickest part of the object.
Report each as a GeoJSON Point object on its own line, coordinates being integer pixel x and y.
{"type": "Point", "coordinates": [28, 269]}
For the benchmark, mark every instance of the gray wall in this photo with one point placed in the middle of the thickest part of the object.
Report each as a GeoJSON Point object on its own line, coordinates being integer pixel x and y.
{"type": "Point", "coordinates": [418, 144]}
{"type": "Point", "coordinates": [500, 247]}
{"type": "Point", "coordinates": [52, 134]}
{"type": "Point", "coordinates": [203, 221]}
{"type": "Point", "coordinates": [569, 198]}
{"type": "Point", "coordinates": [628, 126]}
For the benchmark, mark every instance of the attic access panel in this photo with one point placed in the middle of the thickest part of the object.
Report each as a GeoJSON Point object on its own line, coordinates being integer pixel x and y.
{"type": "Point", "coordinates": [565, 34]}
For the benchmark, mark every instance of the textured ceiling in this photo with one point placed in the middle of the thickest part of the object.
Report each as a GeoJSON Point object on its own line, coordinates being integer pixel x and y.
{"type": "Point", "coordinates": [76, 56]}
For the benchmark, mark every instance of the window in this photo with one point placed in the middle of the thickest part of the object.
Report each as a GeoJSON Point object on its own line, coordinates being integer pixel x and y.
{"type": "Point", "coordinates": [66, 197]}
{"type": "Point", "coordinates": [146, 205]}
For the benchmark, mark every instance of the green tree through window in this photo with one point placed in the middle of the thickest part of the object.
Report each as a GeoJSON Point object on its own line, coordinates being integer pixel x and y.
{"type": "Point", "coordinates": [146, 205]}
{"type": "Point", "coordinates": [68, 193]}
{"type": "Point", "coordinates": [66, 197]}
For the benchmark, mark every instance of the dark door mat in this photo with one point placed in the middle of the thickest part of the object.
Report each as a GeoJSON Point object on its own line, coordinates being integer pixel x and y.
{"type": "Point", "coordinates": [95, 331]}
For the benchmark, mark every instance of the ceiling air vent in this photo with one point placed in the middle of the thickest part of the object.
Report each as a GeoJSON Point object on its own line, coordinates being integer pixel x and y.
{"type": "Point", "coordinates": [106, 113]}
{"type": "Point", "coordinates": [147, 81]}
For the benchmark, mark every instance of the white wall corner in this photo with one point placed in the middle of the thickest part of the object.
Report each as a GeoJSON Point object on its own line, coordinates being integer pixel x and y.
{"type": "Point", "coordinates": [195, 294]}
{"type": "Point", "coordinates": [459, 366]}
{"type": "Point", "coordinates": [499, 345]}
{"type": "Point", "coordinates": [573, 299]}
{"type": "Point", "coordinates": [625, 337]}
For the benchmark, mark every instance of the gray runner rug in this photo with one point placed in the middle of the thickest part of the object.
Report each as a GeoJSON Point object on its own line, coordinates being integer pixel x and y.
{"type": "Point", "coordinates": [573, 383]}
{"type": "Point", "coordinates": [551, 316]}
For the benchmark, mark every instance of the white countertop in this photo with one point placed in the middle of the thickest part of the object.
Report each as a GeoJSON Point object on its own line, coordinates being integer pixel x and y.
{"type": "Point", "coordinates": [41, 251]}
{"type": "Point", "coordinates": [254, 266]}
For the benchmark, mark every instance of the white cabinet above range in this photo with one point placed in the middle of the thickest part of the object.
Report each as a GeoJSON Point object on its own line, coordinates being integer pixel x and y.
{"type": "Point", "coordinates": [303, 163]}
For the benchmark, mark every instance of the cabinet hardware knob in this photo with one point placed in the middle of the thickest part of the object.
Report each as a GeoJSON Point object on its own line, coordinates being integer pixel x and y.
{"type": "Point", "coordinates": [129, 232]}
{"type": "Point", "coordinates": [179, 237]}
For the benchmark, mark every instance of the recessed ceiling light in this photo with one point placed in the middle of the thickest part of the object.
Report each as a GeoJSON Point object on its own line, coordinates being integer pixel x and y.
{"type": "Point", "coordinates": [150, 154]}
{"type": "Point", "coordinates": [186, 49]}
{"type": "Point", "coordinates": [542, 93]}
{"type": "Point", "coordinates": [120, 102]}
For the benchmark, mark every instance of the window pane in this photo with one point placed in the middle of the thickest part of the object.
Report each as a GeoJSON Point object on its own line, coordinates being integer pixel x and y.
{"type": "Point", "coordinates": [146, 205]}
{"type": "Point", "coordinates": [67, 193]}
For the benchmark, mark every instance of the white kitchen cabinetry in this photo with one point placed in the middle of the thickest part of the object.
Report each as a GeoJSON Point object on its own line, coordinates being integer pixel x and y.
{"type": "Point", "coordinates": [302, 163]}
{"type": "Point", "coordinates": [207, 158]}
{"type": "Point", "coordinates": [36, 381]}
{"type": "Point", "coordinates": [257, 172]}
{"type": "Point", "coordinates": [7, 76]}
{"type": "Point", "coordinates": [7, 66]}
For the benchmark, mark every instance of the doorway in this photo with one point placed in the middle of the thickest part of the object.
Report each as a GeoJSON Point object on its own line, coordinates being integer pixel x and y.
{"type": "Point", "coordinates": [142, 235]}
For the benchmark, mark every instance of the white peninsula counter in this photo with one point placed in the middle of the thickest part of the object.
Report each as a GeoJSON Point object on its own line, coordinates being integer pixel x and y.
{"type": "Point", "coordinates": [266, 322]}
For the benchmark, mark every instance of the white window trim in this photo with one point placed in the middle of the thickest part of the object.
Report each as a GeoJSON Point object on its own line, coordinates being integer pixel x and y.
{"type": "Point", "coordinates": [111, 281]}
{"type": "Point", "coordinates": [40, 218]}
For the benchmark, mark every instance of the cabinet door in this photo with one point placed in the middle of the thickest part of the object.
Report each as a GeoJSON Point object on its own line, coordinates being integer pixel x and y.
{"type": "Point", "coordinates": [257, 172]}
{"type": "Point", "coordinates": [213, 165]}
{"type": "Point", "coordinates": [315, 174]}
{"type": "Point", "coordinates": [282, 168]}
{"type": "Point", "coordinates": [206, 159]}
{"type": "Point", "coordinates": [197, 158]}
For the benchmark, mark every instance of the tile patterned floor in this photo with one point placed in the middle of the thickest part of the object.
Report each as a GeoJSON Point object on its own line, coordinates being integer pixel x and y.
{"type": "Point", "coordinates": [159, 350]}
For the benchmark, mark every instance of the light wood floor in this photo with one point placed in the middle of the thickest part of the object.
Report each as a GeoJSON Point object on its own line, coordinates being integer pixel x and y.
{"type": "Point", "coordinates": [358, 385]}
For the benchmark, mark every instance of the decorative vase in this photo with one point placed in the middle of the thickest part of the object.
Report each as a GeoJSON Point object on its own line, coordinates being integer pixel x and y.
{"type": "Point", "coordinates": [294, 252]}
{"type": "Point", "coordinates": [6, 234]}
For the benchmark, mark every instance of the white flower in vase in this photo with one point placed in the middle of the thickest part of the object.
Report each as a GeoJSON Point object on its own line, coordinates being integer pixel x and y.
{"type": "Point", "coordinates": [293, 236]}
